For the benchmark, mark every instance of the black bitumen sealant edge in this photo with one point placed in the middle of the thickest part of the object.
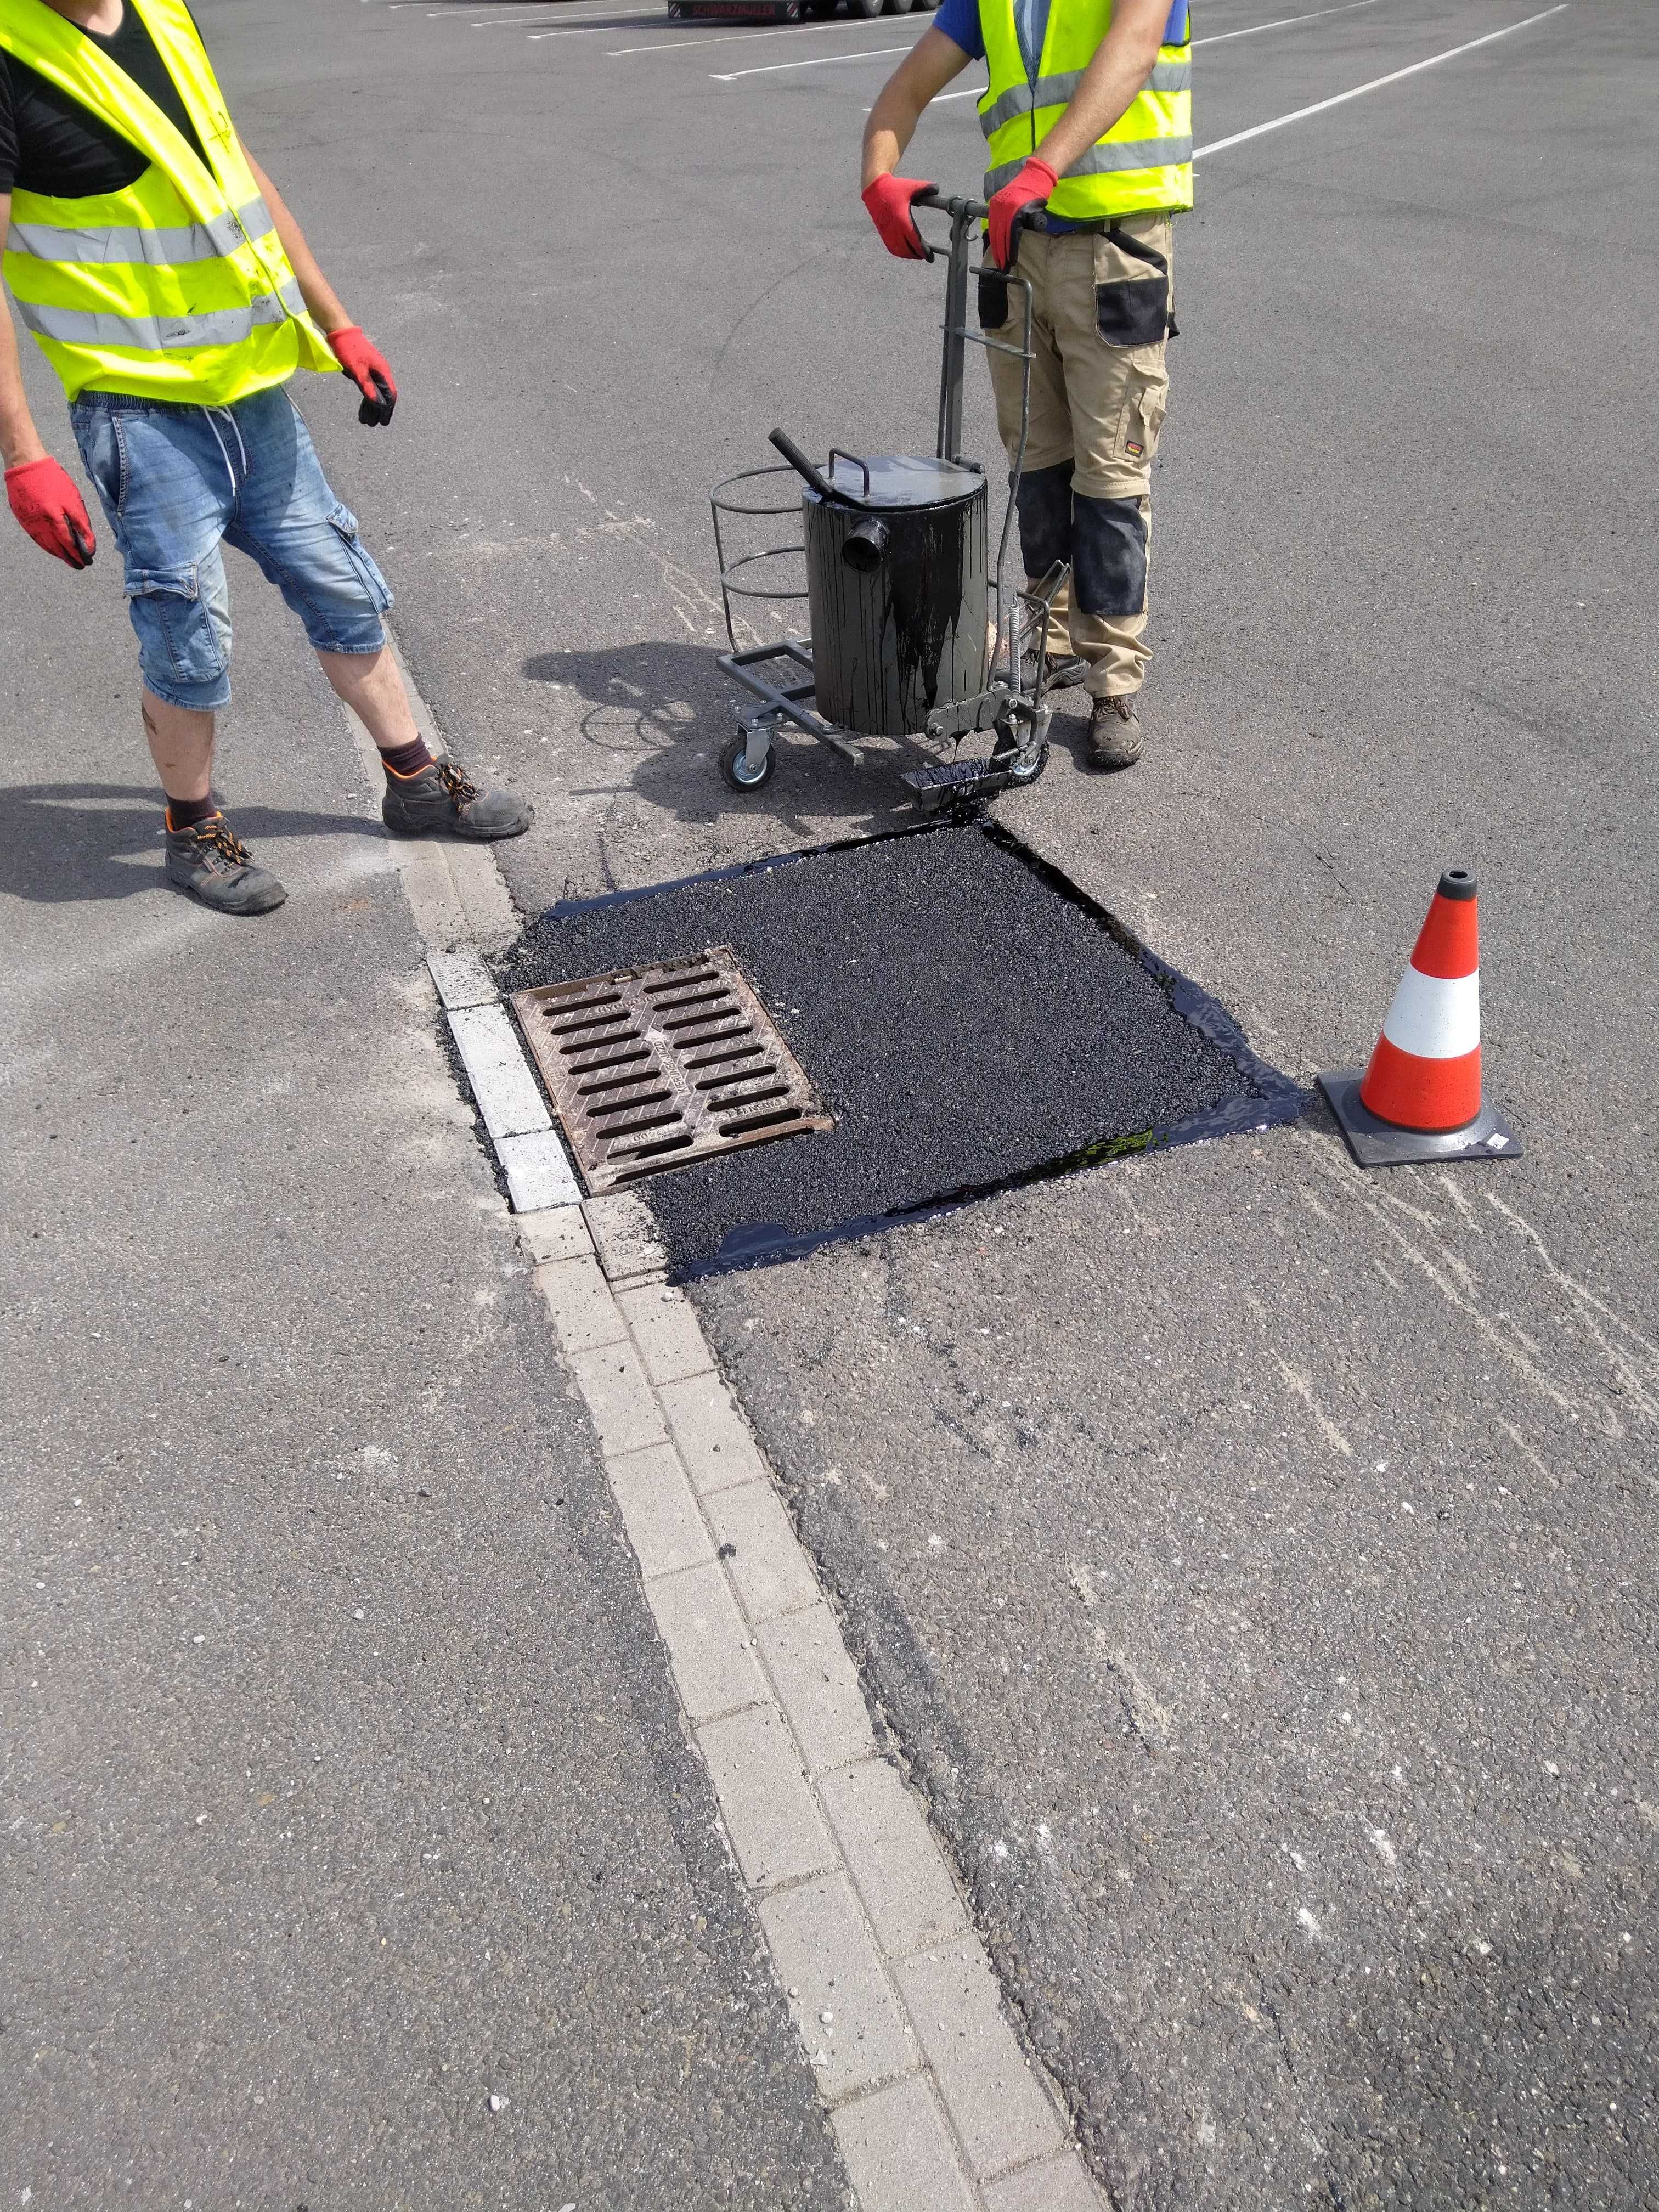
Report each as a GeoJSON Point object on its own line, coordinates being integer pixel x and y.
{"type": "Point", "coordinates": [1273, 1100]}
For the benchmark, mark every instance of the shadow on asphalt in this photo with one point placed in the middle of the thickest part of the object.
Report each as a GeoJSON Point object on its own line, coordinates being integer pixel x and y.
{"type": "Point", "coordinates": [668, 706]}
{"type": "Point", "coordinates": [66, 841]}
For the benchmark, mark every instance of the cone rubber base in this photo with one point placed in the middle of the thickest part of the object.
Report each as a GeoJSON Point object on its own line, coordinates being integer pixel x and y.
{"type": "Point", "coordinates": [1377, 1144]}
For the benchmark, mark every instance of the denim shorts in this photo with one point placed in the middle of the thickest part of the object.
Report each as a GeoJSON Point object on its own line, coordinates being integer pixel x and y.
{"type": "Point", "coordinates": [179, 482]}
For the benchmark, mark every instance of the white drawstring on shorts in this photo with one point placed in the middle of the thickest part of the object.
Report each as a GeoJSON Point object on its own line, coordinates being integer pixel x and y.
{"type": "Point", "coordinates": [230, 472]}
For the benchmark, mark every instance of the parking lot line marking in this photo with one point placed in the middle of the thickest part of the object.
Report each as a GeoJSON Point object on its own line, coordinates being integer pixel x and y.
{"type": "Point", "coordinates": [1320, 107]}
{"type": "Point", "coordinates": [771, 69]}
{"type": "Point", "coordinates": [1281, 22]}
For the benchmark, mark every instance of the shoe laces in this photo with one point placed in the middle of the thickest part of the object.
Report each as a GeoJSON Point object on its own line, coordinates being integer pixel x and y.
{"type": "Point", "coordinates": [458, 783]}
{"type": "Point", "coordinates": [224, 841]}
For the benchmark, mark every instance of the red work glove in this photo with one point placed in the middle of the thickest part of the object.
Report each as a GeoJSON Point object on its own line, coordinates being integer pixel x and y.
{"type": "Point", "coordinates": [44, 499]}
{"type": "Point", "coordinates": [889, 201]}
{"type": "Point", "coordinates": [369, 370]}
{"type": "Point", "coordinates": [1030, 189]}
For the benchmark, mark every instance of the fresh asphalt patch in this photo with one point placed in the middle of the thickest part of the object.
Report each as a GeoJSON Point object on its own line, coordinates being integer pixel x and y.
{"type": "Point", "coordinates": [969, 1017]}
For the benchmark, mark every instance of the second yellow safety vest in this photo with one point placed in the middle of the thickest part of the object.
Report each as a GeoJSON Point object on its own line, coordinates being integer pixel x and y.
{"type": "Point", "coordinates": [1144, 161]}
{"type": "Point", "coordinates": [176, 288]}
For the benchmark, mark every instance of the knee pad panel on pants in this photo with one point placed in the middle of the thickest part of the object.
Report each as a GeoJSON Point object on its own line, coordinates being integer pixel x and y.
{"type": "Point", "coordinates": [1108, 558]}
{"type": "Point", "coordinates": [1045, 517]}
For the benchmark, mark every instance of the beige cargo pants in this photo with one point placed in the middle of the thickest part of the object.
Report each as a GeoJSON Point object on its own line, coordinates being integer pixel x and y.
{"type": "Point", "coordinates": [1101, 314]}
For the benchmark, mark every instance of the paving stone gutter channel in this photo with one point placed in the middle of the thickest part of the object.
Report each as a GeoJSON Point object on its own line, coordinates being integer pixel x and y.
{"type": "Point", "coordinates": [934, 2101]}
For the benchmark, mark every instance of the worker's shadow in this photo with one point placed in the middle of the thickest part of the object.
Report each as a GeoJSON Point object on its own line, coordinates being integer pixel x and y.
{"type": "Point", "coordinates": [61, 842]}
{"type": "Point", "coordinates": [668, 706]}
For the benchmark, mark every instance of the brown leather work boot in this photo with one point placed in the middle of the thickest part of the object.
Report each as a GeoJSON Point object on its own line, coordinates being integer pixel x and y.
{"type": "Point", "coordinates": [1115, 731]}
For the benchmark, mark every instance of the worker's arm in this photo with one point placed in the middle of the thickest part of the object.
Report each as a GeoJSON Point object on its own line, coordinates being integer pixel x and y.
{"type": "Point", "coordinates": [20, 441]}
{"type": "Point", "coordinates": [1123, 61]}
{"type": "Point", "coordinates": [320, 297]}
{"type": "Point", "coordinates": [920, 77]}
{"type": "Point", "coordinates": [40, 491]}
{"type": "Point", "coordinates": [362, 360]}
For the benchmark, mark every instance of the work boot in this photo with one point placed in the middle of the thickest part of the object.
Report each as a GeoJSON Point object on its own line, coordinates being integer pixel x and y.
{"type": "Point", "coordinates": [213, 864]}
{"type": "Point", "coordinates": [1066, 671]}
{"type": "Point", "coordinates": [1115, 731]}
{"type": "Point", "coordinates": [443, 801]}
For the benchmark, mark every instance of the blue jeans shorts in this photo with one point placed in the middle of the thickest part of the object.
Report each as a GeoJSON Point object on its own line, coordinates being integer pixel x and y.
{"type": "Point", "coordinates": [179, 482]}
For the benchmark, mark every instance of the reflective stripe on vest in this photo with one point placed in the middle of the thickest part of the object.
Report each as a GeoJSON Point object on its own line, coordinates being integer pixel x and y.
{"type": "Point", "coordinates": [226, 326]}
{"type": "Point", "coordinates": [1110, 157]}
{"type": "Point", "coordinates": [176, 287]}
{"type": "Point", "coordinates": [1057, 91]}
{"type": "Point", "coordinates": [161, 248]}
{"type": "Point", "coordinates": [1143, 163]}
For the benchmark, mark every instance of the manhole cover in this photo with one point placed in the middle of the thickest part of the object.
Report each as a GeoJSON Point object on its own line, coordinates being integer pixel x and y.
{"type": "Point", "coordinates": [652, 1067]}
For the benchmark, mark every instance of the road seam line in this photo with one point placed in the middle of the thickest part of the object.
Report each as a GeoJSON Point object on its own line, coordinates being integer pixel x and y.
{"type": "Point", "coordinates": [850, 1888]}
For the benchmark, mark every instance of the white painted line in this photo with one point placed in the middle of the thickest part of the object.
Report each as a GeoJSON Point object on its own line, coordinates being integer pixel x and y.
{"type": "Point", "coordinates": [538, 1171]}
{"type": "Point", "coordinates": [772, 68]}
{"type": "Point", "coordinates": [1282, 23]}
{"type": "Point", "coordinates": [1376, 84]}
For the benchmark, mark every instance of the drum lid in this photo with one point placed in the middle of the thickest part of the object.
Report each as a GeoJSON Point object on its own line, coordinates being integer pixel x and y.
{"type": "Point", "coordinates": [903, 480]}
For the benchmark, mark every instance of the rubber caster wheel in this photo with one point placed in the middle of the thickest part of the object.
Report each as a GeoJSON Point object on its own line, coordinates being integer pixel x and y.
{"type": "Point", "coordinates": [734, 770]}
{"type": "Point", "coordinates": [1022, 774]}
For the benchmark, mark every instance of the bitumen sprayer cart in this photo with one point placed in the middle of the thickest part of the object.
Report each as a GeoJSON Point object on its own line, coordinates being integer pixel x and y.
{"type": "Point", "coordinates": [899, 589]}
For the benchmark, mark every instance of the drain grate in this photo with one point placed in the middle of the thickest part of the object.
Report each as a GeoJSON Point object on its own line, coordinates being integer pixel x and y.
{"type": "Point", "coordinates": [654, 1066]}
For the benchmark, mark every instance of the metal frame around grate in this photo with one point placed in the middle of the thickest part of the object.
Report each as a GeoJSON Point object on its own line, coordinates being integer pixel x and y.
{"type": "Point", "coordinates": [654, 1068]}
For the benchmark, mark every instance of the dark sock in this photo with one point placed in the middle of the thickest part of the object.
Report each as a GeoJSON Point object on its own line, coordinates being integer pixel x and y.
{"type": "Point", "coordinates": [406, 760]}
{"type": "Point", "coordinates": [188, 813]}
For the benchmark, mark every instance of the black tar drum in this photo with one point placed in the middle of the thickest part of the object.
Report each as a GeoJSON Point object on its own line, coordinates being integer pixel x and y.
{"type": "Point", "coordinates": [897, 590]}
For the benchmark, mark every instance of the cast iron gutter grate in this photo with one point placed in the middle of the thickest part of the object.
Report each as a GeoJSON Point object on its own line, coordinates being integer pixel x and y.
{"type": "Point", "coordinates": [652, 1067]}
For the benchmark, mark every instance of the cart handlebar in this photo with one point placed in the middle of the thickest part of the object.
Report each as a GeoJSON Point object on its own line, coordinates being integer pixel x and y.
{"type": "Point", "coordinates": [971, 210]}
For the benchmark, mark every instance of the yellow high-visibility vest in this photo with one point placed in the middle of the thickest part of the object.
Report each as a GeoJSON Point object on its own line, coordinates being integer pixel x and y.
{"type": "Point", "coordinates": [176, 288]}
{"type": "Point", "coordinates": [1145, 159]}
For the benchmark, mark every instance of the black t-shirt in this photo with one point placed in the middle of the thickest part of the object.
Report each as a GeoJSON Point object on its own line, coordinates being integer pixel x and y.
{"type": "Point", "coordinates": [49, 143]}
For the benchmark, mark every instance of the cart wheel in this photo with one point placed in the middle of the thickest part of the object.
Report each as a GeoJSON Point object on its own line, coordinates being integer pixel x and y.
{"type": "Point", "coordinates": [732, 764]}
{"type": "Point", "coordinates": [1021, 772]}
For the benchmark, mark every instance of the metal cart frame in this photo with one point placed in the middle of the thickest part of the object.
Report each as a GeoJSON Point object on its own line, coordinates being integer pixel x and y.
{"type": "Point", "coordinates": [1019, 722]}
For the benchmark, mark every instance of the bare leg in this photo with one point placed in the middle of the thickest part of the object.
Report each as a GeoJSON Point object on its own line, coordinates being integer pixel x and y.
{"type": "Point", "coordinates": [181, 746]}
{"type": "Point", "coordinates": [371, 686]}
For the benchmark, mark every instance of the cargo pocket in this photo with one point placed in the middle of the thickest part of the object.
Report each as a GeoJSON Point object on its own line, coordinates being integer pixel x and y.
{"type": "Point", "coordinates": [992, 301]}
{"type": "Point", "coordinates": [180, 640]}
{"type": "Point", "coordinates": [1140, 419]}
{"type": "Point", "coordinates": [1132, 291]}
{"type": "Point", "coordinates": [343, 523]}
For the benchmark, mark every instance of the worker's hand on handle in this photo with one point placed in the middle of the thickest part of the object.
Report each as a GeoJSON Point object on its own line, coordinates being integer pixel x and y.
{"type": "Point", "coordinates": [1030, 189]}
{"type": "Point", "coordinates": [888, 199]}
{"type": "Point", "coordinates": [369, 370]}
{"type": "Point", "coordinates": [43, 497]}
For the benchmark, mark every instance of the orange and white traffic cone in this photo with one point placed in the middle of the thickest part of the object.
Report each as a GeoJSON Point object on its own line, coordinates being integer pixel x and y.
{"type": "Point", "coordinates": [1420, 1099]}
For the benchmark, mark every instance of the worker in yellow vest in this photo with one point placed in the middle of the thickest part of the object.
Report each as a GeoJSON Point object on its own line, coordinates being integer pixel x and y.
{"type": "Point", "coordinates": [1089, 127]}
{"type": "Point", "coordinates": [162, 276]}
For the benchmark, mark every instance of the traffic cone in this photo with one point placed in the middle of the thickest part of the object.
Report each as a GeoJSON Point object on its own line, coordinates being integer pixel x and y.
{"type": "Point", "coordinates": [1419, 1099]}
